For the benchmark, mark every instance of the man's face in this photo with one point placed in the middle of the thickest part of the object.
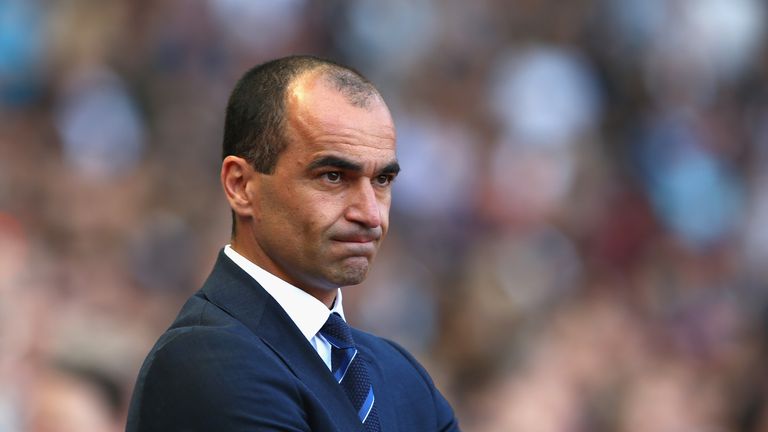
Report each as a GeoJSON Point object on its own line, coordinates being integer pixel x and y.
{"type": "Point", "coordinates": [319, 219]}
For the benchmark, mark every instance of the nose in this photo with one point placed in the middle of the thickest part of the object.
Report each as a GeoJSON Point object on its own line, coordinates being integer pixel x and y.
{"type": "Point", "coordinates": [364, 207]}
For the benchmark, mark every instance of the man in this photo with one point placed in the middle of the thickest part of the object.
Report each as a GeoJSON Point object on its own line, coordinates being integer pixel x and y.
{"type": "Point", "coordinates": [309, 160]}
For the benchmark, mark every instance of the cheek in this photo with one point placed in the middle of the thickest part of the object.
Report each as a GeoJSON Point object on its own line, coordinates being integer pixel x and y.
{"type": "Point", "coordinates": [384, 211]}
{"type": "Point", "coordinates": [321, 211]}
{"type": "Point", "coordinates": [384, 223]}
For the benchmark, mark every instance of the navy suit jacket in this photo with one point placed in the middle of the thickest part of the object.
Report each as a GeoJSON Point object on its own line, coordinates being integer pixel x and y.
{"type": "Point", "coordinates": [234, 361]}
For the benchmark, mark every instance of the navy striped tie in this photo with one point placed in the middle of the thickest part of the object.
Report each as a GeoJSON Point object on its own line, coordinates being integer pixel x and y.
{"type": "Point", "coordinates": [350, 371]}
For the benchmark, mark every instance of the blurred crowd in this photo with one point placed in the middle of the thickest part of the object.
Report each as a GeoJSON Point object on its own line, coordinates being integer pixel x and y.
{"type": "Point", "coordinates": [579, 235]}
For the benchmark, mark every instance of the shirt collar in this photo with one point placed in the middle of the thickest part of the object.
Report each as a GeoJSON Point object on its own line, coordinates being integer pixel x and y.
{"type": "Point", "coordinates": [308, 313]}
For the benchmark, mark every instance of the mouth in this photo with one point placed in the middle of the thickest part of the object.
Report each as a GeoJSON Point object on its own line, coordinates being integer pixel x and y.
{"type": "Point", "coordinates": [356, 239]}
{"type": "Point", "coordinates": [358, 244]}
{"type": "Point", "coordinates": [359, 237]}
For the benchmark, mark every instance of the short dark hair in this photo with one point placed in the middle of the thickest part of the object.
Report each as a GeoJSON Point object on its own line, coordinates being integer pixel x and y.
{"type": "Point", "coordinates": [255, 116]}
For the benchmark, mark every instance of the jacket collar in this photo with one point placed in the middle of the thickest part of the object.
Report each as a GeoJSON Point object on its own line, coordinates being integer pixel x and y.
{"type": "Point", "coordinates": [237, 293]}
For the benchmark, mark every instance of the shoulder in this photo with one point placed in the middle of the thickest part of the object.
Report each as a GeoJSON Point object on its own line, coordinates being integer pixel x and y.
{"type": "Point", "coordinates": [203, 335]}
{"type": "Point", "coordinates": [390, 354]}
{"type": "Point", "coordinates": [384, 348]}
{"type": "Point", "coordinates": [208, 367]}
{"type": "Point", "coordinates": [207, 346]}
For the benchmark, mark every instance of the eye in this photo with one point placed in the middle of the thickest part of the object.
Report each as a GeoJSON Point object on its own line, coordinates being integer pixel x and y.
{"type": "Point", "coordinates": [384, 180]}
{"type": "Point", "coordinates": [332, 176]}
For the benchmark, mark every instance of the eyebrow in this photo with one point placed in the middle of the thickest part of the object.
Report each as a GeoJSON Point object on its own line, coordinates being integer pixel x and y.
{"type": "Point", "coordinates": [391, 168]}
{"type": "Point", "coordinates": [335, 162]}
{"type": "Point", "coordinates": [347, 165]}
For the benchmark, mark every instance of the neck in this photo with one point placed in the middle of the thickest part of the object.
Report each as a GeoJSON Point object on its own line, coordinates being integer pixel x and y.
{"type": "Point", "coordinates": [254, 255]}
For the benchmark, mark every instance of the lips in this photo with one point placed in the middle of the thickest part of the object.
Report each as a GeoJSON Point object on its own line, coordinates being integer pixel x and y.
{"type": "Point", "coordinates": [356, 239]}
{"type": "Point", "coordinates": [369, 237]}
{"type": "Point", "coordinates": [357, 244]}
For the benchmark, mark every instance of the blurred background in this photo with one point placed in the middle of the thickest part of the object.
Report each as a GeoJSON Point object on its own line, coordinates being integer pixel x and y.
{"type": "Point", "coordinates": [580, 232]}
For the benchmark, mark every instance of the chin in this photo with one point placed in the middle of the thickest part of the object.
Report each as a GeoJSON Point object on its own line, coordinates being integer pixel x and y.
{"type": "Point", "coordinates": [353, 273]}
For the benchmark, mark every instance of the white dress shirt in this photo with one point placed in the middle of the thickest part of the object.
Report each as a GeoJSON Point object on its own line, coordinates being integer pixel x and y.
{"type": "Point", "coordinates": [308, 313]}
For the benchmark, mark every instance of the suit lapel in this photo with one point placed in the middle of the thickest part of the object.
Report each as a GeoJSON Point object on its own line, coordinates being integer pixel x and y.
{"type": "Point", "coordinates": [236, 292]}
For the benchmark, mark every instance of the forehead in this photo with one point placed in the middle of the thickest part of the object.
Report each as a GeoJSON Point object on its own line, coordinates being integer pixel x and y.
{"type": "Point", "coordinates": [319, 118]}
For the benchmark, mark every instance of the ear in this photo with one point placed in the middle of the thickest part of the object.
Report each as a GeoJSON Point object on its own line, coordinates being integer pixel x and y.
{"type": "Point", "coordinates": [236, 176]}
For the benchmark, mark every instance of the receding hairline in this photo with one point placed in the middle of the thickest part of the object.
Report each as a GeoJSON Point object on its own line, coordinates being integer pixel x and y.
{"type": "Point", "coordinates": [355, 88]}
{"type": "Point", "coordinates": [311, 95]}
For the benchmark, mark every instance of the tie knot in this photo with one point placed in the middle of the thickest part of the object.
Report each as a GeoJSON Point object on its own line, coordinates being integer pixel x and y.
{"type": "Point", "coordinates": [337, 332]}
